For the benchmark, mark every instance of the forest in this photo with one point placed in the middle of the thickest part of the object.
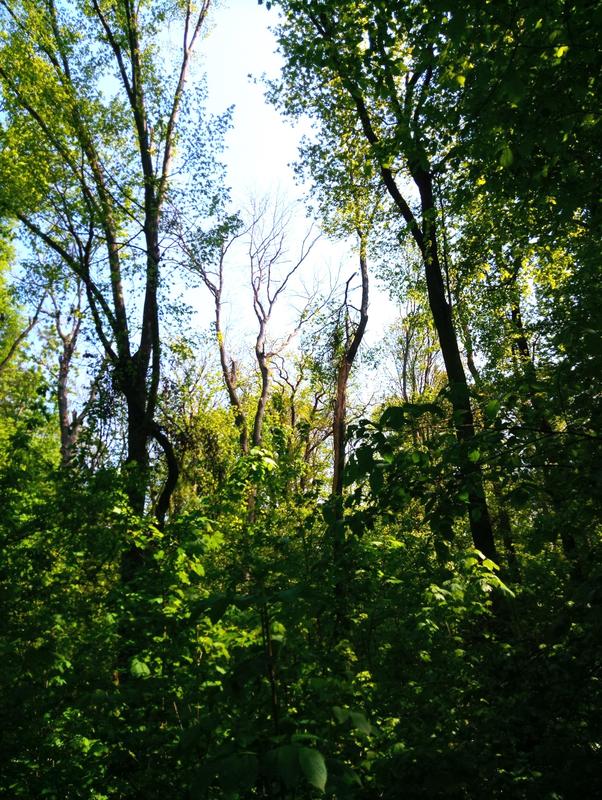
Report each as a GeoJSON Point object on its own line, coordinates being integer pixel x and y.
{"type": "Point", "coordinates": [334, 558]}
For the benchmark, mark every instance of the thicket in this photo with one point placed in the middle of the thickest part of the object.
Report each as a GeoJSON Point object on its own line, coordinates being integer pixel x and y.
{"type": "Point", "coordinates": [228, 578]}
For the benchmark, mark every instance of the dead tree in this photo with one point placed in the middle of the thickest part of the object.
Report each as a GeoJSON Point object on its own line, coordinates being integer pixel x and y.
{"type": "Point", "coordinates": [271, 270]}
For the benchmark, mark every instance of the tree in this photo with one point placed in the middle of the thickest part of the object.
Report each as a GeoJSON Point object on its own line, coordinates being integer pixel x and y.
{"type": "Point", "coordinates": [265, 236]}
{"type": "Point", "coordinates": [382, 74]}
{"type": "Point", "coordinates": [22, 388]}
{"type": "Point", "coordinates": [108, 157]}
{"type": "Point", "coordinates": [17, 338]}
{"type": "Point", "coordinates": [310, 618]}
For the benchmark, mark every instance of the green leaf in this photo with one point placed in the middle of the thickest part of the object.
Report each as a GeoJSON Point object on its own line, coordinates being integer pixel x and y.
{"type": "Point", "coordinates": [506, 157]}
{"type": "Point", "coordinates": [288, 595]}
{"type": "Point", "coordinates": [492, 408]}
{"type": "Point", "coordinates": [356, 719]}
{"type": "Point", "coordinates": [341, 778]}
{"type": "Point", "coordinates": [360, 722]}
{"type": "Point", "coordinates": [214, 607]}
{"type": "Point", "coordinates": [396, 417]}
{"type": "Point", "coordinates": [139, 669]}
{"type": "Point", "coordinates": [286, 760]}
{"type": "Point", "coordinates": [313, 767]}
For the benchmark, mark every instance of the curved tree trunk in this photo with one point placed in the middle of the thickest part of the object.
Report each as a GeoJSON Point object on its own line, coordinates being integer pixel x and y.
{"type": "Point", "coordinates": [479, 519]}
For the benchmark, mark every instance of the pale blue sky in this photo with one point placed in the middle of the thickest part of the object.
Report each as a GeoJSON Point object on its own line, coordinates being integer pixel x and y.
{"type": "Point", "coordinates": [261, 144]}
{"type": "Point", "coordinates": [259, 150]}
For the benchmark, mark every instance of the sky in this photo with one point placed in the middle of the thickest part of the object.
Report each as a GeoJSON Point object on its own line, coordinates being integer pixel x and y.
{"type": "Point", "coordinates": [238, 51]}
{"type": "Point", "coordinates": [260, 148]}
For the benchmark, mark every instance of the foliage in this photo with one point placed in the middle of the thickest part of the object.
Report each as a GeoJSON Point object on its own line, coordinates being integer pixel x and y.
{"type": "Point", "coordinates": [225, 649]}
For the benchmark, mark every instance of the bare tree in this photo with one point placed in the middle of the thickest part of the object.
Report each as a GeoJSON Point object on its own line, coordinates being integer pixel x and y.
{"type": "Point", "coordinates": [271, 271]}
{"type": "Point", "coordinates": [271, 268]}
{"type": "Point", "coordinates": [214, 281]}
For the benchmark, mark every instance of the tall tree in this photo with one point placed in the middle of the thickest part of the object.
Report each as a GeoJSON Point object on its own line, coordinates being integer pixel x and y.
{"type": "Point", "coordinates": [86, 97]}
{"type": "Point", "coordinates": [371, 71]}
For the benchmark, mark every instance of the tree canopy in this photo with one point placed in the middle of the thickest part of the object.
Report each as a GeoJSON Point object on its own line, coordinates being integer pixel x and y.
{"type": "Point", "coordinates": [330, 559]}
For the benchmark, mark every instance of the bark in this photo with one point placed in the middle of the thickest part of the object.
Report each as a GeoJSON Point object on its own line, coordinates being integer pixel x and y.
{"type": "Point", "coordinates": [137, 459]}
{"type": "Point", "coordinates": [339, 428]}
{"type": "Point", "coordinates": [173, 472]}
{"type": "Point", "coordinates": [468, 345]}
{"type": "Point", "coordinates": [339, 434]}
{"type": "Point", "coordinates": [405, 363]}
{"type": "Point", "coordinates": [264, 371]}
{"type": "Point", "coordinates": [230, 379]}
{"type": "Point", "coordinates": [479, 519]}
{"type": "Point", "coordinates": [69, 423]}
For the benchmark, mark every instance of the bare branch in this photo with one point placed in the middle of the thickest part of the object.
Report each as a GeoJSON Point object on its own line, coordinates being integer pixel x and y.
{"type": "Point", "coordinates": [23, 335]}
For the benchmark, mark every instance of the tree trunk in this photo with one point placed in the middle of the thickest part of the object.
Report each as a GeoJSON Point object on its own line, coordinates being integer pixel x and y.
{"type": "Point", "coordinates": [336, 529]}
{"type": "Point", "coordinates": [264, 371]}
{"type": "Point", "coordinates": [425, 236]}
{"type": "Point", "coordinates": [70, 425]}
{"type": "Point", "coordinates": [137, 446]}
{"type": "Point", "coordinates": [230, 379]}
{"type": "Point", "coordinates": [339, 426]}
{"type": "Point", "coordinates": [480, 522]}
